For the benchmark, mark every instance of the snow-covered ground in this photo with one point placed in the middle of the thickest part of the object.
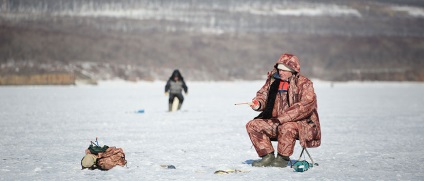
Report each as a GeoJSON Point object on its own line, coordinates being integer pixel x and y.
{"type": "Point", "coordinates": [370, 131]}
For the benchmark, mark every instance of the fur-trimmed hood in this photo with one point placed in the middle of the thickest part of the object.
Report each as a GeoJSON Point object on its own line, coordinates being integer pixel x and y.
{"type": "Point", "coordinates": [290, 61]}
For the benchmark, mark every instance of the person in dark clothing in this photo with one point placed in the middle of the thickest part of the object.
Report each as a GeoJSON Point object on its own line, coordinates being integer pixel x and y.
{"type": "Point", "coordinates": [174, 87]}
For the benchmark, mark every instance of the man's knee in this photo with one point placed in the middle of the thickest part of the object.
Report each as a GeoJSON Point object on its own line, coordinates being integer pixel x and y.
{"type": "Point", "coordinates": [288, 128]}
{"type": "Point", "coordinates": [250, 125]}
{"type": "Point", "coordinates": [180, 97]}
{"type": "Point", "coordinates": [253, 126]}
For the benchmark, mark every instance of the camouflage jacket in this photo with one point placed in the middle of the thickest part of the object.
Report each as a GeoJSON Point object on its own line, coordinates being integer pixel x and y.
{"type": "Point", "coordinates": [300, 103]}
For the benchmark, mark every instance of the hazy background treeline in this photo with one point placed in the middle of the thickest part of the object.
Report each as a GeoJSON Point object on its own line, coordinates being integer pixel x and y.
{"type": "Point", "coordinates": [134, 40]}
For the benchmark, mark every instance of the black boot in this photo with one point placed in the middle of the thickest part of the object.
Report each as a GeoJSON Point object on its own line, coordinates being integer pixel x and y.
{"type": "Point", "coordinates": [280, 161]}
{"type": "Point", "coordinates": [169, 107]}
{"type": "Point", "coordinates": [179, 106]}
{"type": "Point", "coordinates": [265, 161]}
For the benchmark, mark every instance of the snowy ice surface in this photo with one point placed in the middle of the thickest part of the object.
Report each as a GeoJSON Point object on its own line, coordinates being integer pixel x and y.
{"type": "Point", "coordinates": [370, 131]}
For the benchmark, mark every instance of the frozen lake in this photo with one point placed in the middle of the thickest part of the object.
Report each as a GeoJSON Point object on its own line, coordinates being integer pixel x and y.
{"type": "Point", "coordinates": [370, 131]}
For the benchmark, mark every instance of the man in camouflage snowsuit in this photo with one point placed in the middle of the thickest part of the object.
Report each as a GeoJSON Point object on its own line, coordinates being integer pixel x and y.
{"type": "Point", "coordinates": [289, 113]}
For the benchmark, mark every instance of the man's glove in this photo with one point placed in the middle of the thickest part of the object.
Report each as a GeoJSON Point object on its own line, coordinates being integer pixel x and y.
{"type": "Point", "coordinates": [255, 104]}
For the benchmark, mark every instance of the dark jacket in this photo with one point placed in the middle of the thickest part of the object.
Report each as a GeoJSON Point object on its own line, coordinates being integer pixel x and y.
{"type": "Point", "coordinates": [176, 87]}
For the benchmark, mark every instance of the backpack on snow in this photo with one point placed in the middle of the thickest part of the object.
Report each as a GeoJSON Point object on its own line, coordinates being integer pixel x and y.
{"type": "Point", "coordinates": [106, 157]}
{"type": "Point", "coordinates": [110, 158]}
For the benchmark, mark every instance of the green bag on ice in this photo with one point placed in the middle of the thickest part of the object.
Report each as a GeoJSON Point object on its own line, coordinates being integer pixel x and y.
{"type": "Point", "coordinates": [94, 149]}
{"type": "Point", "coordinates": [301, 166]}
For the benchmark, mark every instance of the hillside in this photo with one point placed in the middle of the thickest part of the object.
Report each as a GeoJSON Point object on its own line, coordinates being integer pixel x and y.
{"type": "Point", "coordinates": [213, 40]}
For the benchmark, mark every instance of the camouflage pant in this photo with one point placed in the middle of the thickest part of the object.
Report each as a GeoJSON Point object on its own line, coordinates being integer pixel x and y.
{"type": "Point", "coordinates": [262, 131]}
